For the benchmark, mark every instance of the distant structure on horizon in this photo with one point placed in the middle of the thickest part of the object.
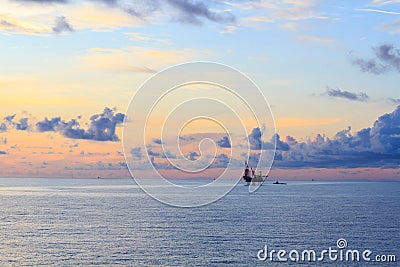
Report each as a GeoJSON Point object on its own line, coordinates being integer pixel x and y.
{"type": "Point", "coordinates": [253, 177]}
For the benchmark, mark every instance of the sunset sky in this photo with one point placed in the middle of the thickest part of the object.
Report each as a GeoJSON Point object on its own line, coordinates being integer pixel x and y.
{"type": "Point", "coordinates": [329, 69]}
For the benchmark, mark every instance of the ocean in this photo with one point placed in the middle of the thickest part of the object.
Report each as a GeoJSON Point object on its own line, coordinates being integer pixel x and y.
{"type": "Point", "coordinates": [111, 222]}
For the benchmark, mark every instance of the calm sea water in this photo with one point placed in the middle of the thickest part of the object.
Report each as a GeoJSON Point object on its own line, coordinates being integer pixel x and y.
{"type": "Point", "coordinates": [110, 222]}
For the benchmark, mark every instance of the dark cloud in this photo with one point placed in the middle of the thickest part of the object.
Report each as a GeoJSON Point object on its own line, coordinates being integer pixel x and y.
{"type": "Point", "coordinates": [346, 94]}
{"type": "Point", "coordinates": [157, 141]}
{"type": "Point", "coordinates": [395, 101]}
{"type": "Point", "coordinates": [378, 146]}
{"type": "Point", "coordinates": [370, 65]}
{"type": "Point", "coordinates": [9, 123]}
{"type": "Point", "coordinates": [254, 159]}
{"type": "Point", "coordinates": [191, 12]}
{"type": "Point", "coordinates": [136, 153]}
{"type": "Point", "coordinates": [278, 156]}
{"type": "Point", "coordinates": [388, 54]}
{"type": "Point", "coordinates": [3, 152]}
{"type": "Point", "coordinates": [255, 139]}
{"type": "Point", "coordinates": [22, 125]}
{"type": "Point", "coordinates": [9, 118]}
{"type": "Point", "coordinates": [168, 155]}
{"type": "Point", "coordinates": [291, 141]}
{"type": "Point", "coordinates": [186, 138]}
{"type": "Point", "coordinates": [3, 127]}
{"type": "Point", "coordinates": [280, 145]}
{"type": "Point", "coordinates": [101, 128]}
{"type": "Point", "coordinates": [221, 161]}
{"type": "Point", "coordinates": [385, 133]}
{"type": "Point", "coordinates": [224, 142]}
{"type": "Point", "coordinates": [256, 143]}
{"type": "Point", "coordinates": [47, 125]}
{"type": "Point", "coordinates": [185, 11]}
{"type": "Point", "coordinates": [109, 2]}
{"type": "Point", "coordinates": [151, 153]}
{"type": "Point", "coordinates": [192, 155]}
{"type": "Point", "coordinates": [62, 25]}
{"type": "Point", "coordinates": [386, 58]}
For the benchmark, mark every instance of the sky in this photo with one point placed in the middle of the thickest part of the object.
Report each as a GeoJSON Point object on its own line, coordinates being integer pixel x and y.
{"type": "Point", "coordinates": [329, 70]}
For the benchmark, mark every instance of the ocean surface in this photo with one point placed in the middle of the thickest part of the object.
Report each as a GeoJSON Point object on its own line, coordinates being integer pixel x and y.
{"type": "Point", "coordinates": [111, 222]}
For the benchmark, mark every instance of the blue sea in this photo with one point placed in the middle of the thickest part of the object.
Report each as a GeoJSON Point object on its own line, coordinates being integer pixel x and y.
{"type": "Point", "coordinates": [111, 222]}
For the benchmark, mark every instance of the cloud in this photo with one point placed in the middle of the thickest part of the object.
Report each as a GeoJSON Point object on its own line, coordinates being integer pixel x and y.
{"type": "Point", "coordinates": [47, 125]}
{"type": "Point", "coordinates": [151, 153]}
{"type": "Point", "coordinates": [224, 142]}
{"type": "Point", "coordinates": [229, 29]}
{"type": "Point", "coordinates": [141, 11]}
{"type": "Point", "coordinates": [395, 101]}
{"type": "Point", "coordinates": [3, 152]}
{"type": "Point", "coordinates": [157, 141]}
{"type": "Point", "coordinates": [280, 145]}
{"type": "Point", "coordinates": [147, 39]}
{"type": "Point", "coordinates": [25, 25]}
{"type": "Point", "coordinates": [256, 143]}
{"type": "Point", "coordinates": [3, 127]}
{"type": "Point", "coordinates": [315, 39]}
{"type": "Point", "coordinates": [168, 155]}
{"type": "Point", "coordinates": [9, 123]}
{"type": "Point", "coordinates": [124, 60]}
{"type": "Point", "coordinates": [12, 25]}
{"type": "Point", "coordinates": [392, 27]}
{"type": "Point", "coordinates": [101, 128]}
{"type": "Point", "coordinates": [62, 25]}
{"type": "Point", "coordinates": [378, 11]}
{"type": "Point", "coordinates": [255, 139]}
{"type": "Point", "coordinates": [384, 2]}
{"type": "Point", "coordinates": [22, 125]}
{"type": "Point", "coordinates": [43, 1]}
{"type": "Point", "coordinates": [192, 155]}
{"type": "Point", "coordinates": [386, 58]}
{"type": "Point", "coordinates": [291, 141]}
{"type": "Point", "coordinates": [346, 94]}
{"type": "Point", "coordinates": [370, 65]}
{"type": "Point", "coordinates": [385, 133]}
{"type": "Point", "coordinates": [221, 161]}
{"type": "Point", "coordinates": [186, 138]}
{"type": "Point", "coordinates": [191, 12]}
{"type": "Point", "coordinates": [377, 146]}
{"type": "Point", "coordinates": [136, 153]}
{"type": "Point", "coordinates": [159, 154]}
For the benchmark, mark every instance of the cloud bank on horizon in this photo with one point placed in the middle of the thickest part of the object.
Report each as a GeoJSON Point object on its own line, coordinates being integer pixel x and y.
{"type": "Point", "coordinates": [376, 146]}
{"type": "Point", "coordinates": [323, 65]}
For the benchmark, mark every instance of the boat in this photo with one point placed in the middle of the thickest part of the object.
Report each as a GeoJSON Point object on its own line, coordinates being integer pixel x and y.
{"type": "Point", "coordinates": [252, 177]}
{"type": "Point", "coordinates": [277, 182]}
